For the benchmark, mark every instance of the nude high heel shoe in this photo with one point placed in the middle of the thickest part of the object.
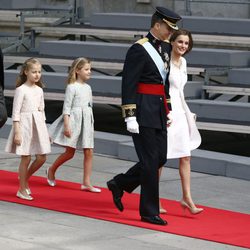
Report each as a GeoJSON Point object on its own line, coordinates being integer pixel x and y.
{"type": "Point", "coordinates": [192, 210]}
{"type": "Point", "coordinates": [161, 209]}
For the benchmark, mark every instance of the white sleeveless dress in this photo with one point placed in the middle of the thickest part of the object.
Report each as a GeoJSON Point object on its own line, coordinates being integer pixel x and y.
{"type": "Point", "coordinates": [183, 135]}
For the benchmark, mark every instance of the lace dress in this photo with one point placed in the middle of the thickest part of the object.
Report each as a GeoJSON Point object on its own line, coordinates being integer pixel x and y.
{"type": "Point", "coordinates": [78, 105]}
{"type": "Point", "coordinates": [28, 109]}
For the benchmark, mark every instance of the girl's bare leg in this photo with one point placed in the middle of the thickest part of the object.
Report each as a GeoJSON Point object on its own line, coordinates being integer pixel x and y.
{"type": "Point", "coordinates": [67, 155]}
{"type": "Point", "coordinates": [36, 164]}
{"type": "Point", "coordinates": [23, 169]}
{"type": "Point", "coordinates": [87, 166]}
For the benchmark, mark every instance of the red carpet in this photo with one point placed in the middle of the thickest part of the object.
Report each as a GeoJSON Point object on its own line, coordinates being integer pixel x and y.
{"type": "Point", "coordinates": [213, 224]}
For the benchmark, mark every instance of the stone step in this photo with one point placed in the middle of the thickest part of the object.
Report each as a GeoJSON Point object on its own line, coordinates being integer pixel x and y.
{"type": "Point", "coordinates": [109, 86]}
{"type": "Point", "coordinates": [209, 162]}
{"type": "Point", "coordinates": [201, 57]}
{"type": "Point", "coordinates": [226, 90]}
{"type": "Point", "coordinates": [207, 40]}
{"type": "Point", "coordinates": [105, 86]}
{"type": "Point", "coordinates": [196, 24]}
{"type": "Point", "coordinates": [209, 57]}
{"type": "Point", "coordinates": [239, 76]}
{"type": "Point", "coordinates": [202, 160]}
{"type": "Point", "coordinates": [233, 112]}
{"type": "Point", "coordinates": [11, 59]}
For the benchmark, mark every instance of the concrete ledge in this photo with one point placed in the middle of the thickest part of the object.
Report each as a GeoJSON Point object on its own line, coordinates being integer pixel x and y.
{"type": "Point", "coordinates": [203, 161]}
{"type": "Point", "coordinates": [218, 57]}
{"type": "Point", "coordinates": [223, 126]}
{"type": "Point", "coordinates": [109, 86]}
{"type": "Point", "coordinates": [200, 40]}
{"type": "Point", "coordinates": [97, 50]}
{"type": "Point", "coordinates": [33, 5]}
{"type": "Point", "coordinates": [121, 20]}
{"type": "Point", "coordinates": [221, 164]}
{"type": "Point", "coordinates": [59, 61]}
{"type": "Point", "coordinates": [221, 110]}
{"type": "Point", "coordinates": [216, 25]}
{"type": "Point", "coordinates": [227, 90]}
{"type": "Point", "coordinates": [117, 51]}
{"type": "Point", "coordinates": [107, 143]}
{"type": "Point", "coordinates": [196, 24]}
{"type": "Point", "coordinates": [56, 82]}
{"type": "Point", "coordinates": [193, 89]}
{"type": "Point", "coordinates": [239, 76]}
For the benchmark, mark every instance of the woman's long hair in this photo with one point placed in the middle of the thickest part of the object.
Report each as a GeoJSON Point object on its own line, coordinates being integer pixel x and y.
{"type": "Point", "coordinates": [184, 33]}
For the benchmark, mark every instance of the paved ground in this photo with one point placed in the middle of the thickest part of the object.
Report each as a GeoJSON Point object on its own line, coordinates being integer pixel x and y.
{"type": "Point", "coordinates": [24, 227]}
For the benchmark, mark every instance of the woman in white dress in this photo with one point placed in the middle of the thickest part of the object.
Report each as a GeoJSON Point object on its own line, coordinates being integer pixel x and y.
{"type": "Point", "coordinates": [29, 134]}
{"type": "Point", "coordinates": [183, 135]}
{"type": "Point", "coordinates": [74, 129]}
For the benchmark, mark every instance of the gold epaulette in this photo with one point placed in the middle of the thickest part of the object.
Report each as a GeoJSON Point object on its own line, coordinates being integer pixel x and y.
{"type": "Point", "coordinates": [128, 110]}
{"type": "Point", "coordinates": [142, 40]}
{"type": "Point", "coordinates": [168, 100]}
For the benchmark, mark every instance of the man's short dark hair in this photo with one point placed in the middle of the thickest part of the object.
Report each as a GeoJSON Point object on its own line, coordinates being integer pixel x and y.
{"type": "Point", "coordinates": [155, 19]}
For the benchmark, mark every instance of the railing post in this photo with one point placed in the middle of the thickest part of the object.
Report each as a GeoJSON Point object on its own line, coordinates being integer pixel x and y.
{"type": "Point", "coordinates": [188, 7]}
{"type": "Point", "coordinates": [80, 11]}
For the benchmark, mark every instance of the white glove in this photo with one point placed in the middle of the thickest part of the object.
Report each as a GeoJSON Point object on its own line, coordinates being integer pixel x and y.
{"type": "Point", "coordinates": [169, 119]}
{"type": "Point", "coordinates": [132, 124]}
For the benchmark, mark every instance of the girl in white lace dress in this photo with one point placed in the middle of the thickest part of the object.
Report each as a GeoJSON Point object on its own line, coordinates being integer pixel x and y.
{"type": "Point", "coordinates": [183, 135]}
{"type": "Point", "coordinates": [74, 129]}
{"type": "Point", "coordinates": [29, 134]}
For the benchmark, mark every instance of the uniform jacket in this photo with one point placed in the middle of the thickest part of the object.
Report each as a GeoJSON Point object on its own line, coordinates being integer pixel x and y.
{"type": "Point", "coordinates": [139, 67]}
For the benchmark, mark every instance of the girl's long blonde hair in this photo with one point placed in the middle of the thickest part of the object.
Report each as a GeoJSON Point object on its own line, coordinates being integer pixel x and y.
{"type": "Point", "coordinates": [77, 64]}
{"type": "Point", "coordinates": [22, 78]}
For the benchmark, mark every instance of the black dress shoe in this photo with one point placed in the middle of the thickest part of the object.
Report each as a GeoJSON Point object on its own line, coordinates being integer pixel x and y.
{"type": "Point", "coordinates": [154, 220]}
{"type": "Point", "coordinates": [117, 194]}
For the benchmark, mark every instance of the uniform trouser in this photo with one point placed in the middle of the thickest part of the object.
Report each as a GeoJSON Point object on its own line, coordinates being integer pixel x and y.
{"type": "Point", "coordinates": [151, 148]}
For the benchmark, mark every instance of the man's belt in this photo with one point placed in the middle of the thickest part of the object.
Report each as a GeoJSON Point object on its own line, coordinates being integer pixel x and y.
{"type": "Point", "coordinates": [153, 89]}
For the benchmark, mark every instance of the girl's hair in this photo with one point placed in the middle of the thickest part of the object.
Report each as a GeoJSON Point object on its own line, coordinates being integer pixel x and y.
{"type": "Point", "coordinates": [184, 33]}
{"type": "Point", "coordinates": [27, 65]}
{"type": "Point", "coordinates": [76, 65]}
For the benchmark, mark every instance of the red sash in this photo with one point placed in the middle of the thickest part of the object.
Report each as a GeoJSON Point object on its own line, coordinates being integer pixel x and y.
{"type": "Point", "coordinates": [153, 89]}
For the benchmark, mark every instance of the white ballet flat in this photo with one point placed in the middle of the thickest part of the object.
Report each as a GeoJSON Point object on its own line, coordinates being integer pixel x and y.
{"type": "Point", "coordinates": [52, 183]}
{"type": "Point", "coordinates": [24, 197]}
{"type": "Point", "coordinates": [90, 189]}
{"type": "Point", "coordinates": [28, 191]}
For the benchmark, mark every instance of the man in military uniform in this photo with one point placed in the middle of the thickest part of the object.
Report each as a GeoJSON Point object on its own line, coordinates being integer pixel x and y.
{"type": "Point", "coordinates": [145, 107]}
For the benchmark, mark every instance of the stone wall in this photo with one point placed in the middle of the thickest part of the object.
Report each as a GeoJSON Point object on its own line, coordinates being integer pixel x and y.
{"type": "Point", "coordinates": [222, 8]}
{"type": "Point", "coordinates": [198, 7]}
{"type": "Point", "coordinates": [201, 8]}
